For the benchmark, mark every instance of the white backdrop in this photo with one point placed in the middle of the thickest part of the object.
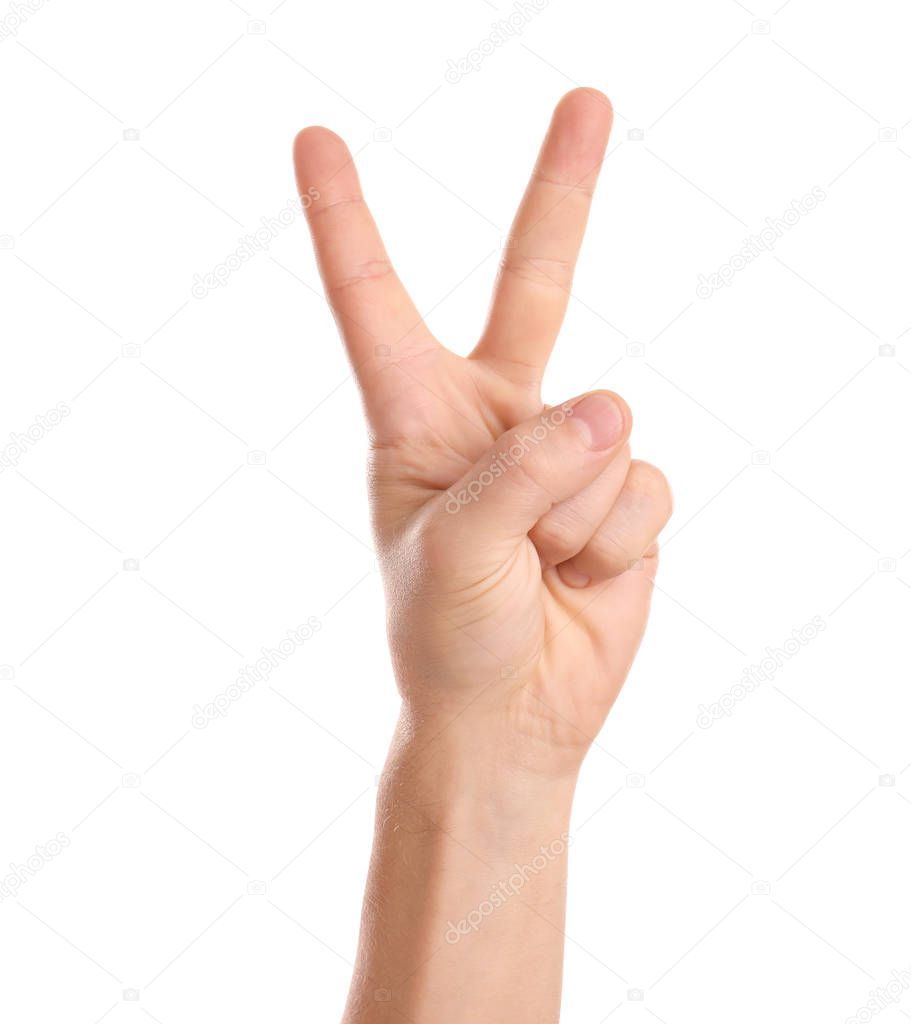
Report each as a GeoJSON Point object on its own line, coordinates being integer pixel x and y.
{"type": "Point", "coordinates": [190, 487]}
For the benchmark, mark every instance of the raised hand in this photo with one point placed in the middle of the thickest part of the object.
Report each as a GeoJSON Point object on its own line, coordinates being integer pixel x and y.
{"type": "Point", "coordinates": [518, 542]}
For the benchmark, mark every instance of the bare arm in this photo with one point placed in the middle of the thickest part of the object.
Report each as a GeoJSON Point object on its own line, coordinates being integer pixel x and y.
{"type": "Point", "coordinates": [517, 544]}
{"type": "Point", "coordinates": [463, 916]}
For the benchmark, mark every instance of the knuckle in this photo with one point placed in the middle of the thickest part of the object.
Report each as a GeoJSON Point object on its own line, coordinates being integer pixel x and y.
{"type": "Point", "coordinates": [534, 473]}
{"type": "Point", "coordinates": [609, 553]}
{"type": "Point", "coordinates": [556, 537]}
{"type": "Point", "coordinates": [650, 486]}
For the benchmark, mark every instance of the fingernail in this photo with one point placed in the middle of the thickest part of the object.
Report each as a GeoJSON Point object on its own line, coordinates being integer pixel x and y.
{"type": "Point", "coordinates": [572, 577]}
{"type": "Point", "coordinates": [600, 421]}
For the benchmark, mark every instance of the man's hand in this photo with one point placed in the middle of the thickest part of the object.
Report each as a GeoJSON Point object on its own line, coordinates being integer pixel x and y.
{"type": "Point", "coordinates": [517, 542]}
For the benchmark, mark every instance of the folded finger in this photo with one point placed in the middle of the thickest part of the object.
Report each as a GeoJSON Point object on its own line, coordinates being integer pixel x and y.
{"type": "Point", "coordinates": [628, 531]}
{"type": "Point", "coordinates": [569, 525]}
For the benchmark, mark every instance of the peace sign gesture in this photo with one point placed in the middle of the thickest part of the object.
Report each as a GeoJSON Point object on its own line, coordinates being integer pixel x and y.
{"type": "Point", "coordinates": [517, 542]}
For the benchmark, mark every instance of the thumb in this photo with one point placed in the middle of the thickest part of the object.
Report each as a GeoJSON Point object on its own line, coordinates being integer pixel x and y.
{"type": "Point", "coordinates": [530, 468]}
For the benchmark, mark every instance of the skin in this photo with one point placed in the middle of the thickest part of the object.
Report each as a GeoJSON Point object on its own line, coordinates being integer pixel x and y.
{"type": "Point", "coordinates": [518, 549]}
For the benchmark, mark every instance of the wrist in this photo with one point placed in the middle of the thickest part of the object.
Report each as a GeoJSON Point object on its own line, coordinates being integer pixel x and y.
{"type": "Point", "coordinates": [467, 783]}
{"type": "Point", "coordinates": [467, 879]}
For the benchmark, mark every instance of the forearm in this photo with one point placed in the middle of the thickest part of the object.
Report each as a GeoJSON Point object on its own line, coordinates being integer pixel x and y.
{"type": "Point", "coordinates": [465, 903]}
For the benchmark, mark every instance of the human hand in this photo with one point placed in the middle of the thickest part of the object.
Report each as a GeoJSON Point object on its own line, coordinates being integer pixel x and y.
{"type": "Point", "coordinates": [517, 543]}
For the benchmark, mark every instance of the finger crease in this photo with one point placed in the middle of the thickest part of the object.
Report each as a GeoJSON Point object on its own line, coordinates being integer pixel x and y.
{"type": "Point", "coordinates": [371, 271]}
{"type": "Point", "coordinates": [530, 269]}
{"type": "Point", "coordinates": [343, 201]}
{"type": "Point", "coordinates": [571, 186]}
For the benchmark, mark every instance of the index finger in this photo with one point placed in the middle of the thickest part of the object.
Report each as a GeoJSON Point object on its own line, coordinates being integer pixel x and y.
{"type": "Point", "coordinates": [370, 303]}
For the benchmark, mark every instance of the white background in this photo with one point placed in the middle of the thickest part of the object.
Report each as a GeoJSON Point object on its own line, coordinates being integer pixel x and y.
{"type": "Point", "coordinates": [743, 111]}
